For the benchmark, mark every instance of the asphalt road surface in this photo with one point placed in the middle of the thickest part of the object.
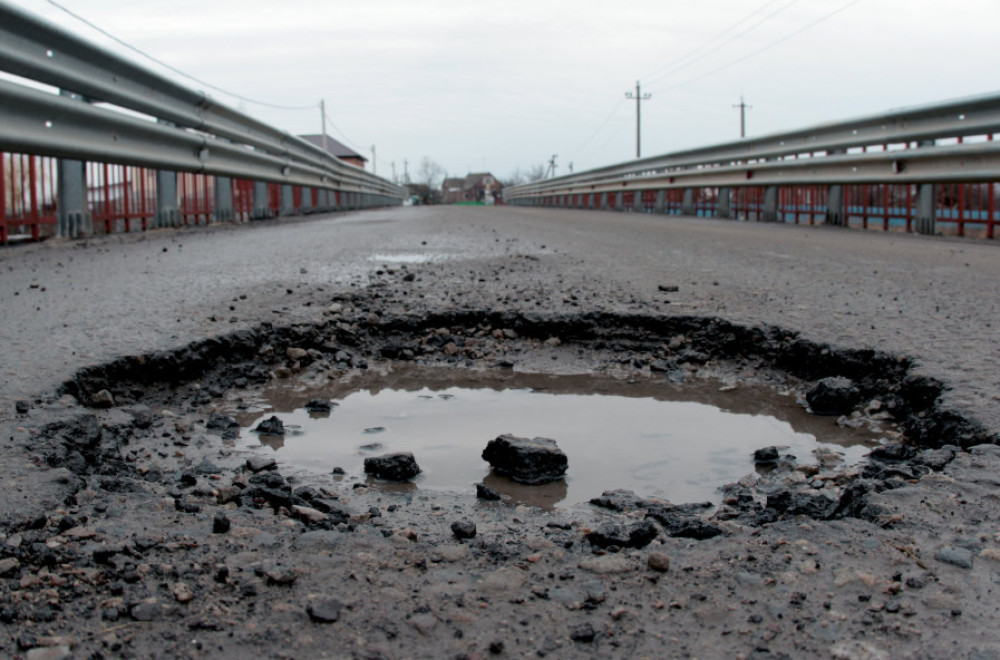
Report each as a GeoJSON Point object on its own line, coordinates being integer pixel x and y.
{"type": "Point", "coordinates": [72, 304]}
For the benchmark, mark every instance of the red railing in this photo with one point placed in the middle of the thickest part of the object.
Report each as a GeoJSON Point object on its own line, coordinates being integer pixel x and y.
{"type": "Point", "coordinates": [274, 198]}
{"type": "Point", "coordinates": [28, 197]}
{"type": "Point", "coordinates": [196, 197]}
{"type": "Point", "coordinates": [674, 203]}
{"type": "Point", "coordinates": [118, 195]}
{"type": "Point", "coordinates": [968, 209]}
{"type": "Point", "coordinates": [802, 204]}
{"type": "Point", "coordinates": [242, 200]}
{"type": "Point", "coordinates": [747, 203]}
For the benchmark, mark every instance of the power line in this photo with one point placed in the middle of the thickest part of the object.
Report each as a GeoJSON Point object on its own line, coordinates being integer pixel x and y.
{"type": "Point", "coordinates": [599, 128]}
{"type": "Point", "coordinates": [347, 140]}
{"type": "Point", "coordinates": [677, 65]}
{"type": "Point", "coordinates": [764, 48]}
{"type": "Point", "coordinates": [175, 69]}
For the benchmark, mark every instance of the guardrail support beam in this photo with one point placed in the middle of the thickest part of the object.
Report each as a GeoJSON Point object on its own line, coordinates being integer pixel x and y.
{"type": "Point", "coordinates": [687, 204]}
{"type": "Point", "coordinates": [223, 199]}
{"type": "Point", "coordinates": [261, 201]}
{"type": "Point", "coordinates": [771, 204]}
{"type": "Point", "coordinates": [74, 216]}
{"type": "Point", "coordinates": [835, 206]}
{"type": "Point", "coordinates": [167, 212]}
{"type": "Point", "coordinates": [924, 221]}
{"type": "Point", "coordinates": [287, 200]}
{"type": "Point", "coordinates": [724, 208]}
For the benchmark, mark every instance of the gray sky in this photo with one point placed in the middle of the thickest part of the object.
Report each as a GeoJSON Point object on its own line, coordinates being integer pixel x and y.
{"type": "Point", "coordinates": [502, 85]}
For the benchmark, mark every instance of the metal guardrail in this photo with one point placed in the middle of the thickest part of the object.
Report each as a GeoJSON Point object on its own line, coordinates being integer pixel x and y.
{"type": "Point", "coordinates": [897, 147]}
{"type": "Point", "coordinates": [185, 131]}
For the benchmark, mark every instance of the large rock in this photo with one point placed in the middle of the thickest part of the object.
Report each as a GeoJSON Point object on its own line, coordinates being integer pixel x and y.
{"type": "Point", "coordinates": [528, 461]}
{"type": "Point", "coordinates": [271, 426]}
{"type": "Point", "coordinates": [400, 466]}
{"type": "Point", "coordinates": [833, 396]}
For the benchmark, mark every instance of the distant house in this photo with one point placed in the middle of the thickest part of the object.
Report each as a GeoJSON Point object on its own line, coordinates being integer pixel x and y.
{"type": "Point", "coordinates": [480, 187]}
{"type": "Point", "coordinates": [338, 149]}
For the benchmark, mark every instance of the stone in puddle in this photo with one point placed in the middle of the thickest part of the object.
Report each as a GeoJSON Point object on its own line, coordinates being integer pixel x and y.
{"type": "Point", "coordinates": [528, 461]}
{"type": "Point", "coordinates": [400, 466]}
{"type": "Point", "coordinates": [766, 455]}
{"type": "Point", "coordinates": [319, 405]}
{"type": "Point", "coordinates": [833, 396]}
{"type": "Point", "coordinates": [271, 426]}
{"type": "Point", "coordinates": [484, 492]}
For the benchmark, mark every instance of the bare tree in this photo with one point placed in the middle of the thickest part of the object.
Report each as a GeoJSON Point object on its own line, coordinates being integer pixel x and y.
{"type": "Point", "coordinates": [536, 173]}
{"type": "Point", "coordinates": [518, 176]}
{"type": "Point", "coordinates": [430, 173]}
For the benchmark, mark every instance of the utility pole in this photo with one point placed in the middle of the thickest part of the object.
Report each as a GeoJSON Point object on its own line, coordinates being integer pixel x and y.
{"type": "Point", "coordinates": [406, 172]}
{"type": "Point", "coordinates": [322, 114]}
{"type": "Point", "coordinates": [743, 116]}
{"type": "Point", "coordinates": [639, 98]}
{"type": "Point", "coordinates": [552, 167]}
{"type": "Point", "coordinates": [393, 165]}
{"type": "Point", "coordinates": [374, 162]}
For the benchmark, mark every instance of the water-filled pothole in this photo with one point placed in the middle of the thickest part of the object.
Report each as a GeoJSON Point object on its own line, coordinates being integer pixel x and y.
{"type": "Point", "coordinates": [659, 439]}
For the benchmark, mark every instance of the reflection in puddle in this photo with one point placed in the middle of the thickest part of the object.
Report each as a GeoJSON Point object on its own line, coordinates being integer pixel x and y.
{"type": "Point", "coordinates": [660, 440]}
{"type": "Point", "coordinates": [404, 258]}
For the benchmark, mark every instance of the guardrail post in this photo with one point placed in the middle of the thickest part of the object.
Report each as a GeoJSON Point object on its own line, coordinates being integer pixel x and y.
{"type": "Point", "coordinates": [261, 202]}
{"type": "Point", "coordinates": [687, 204]}
{"type": "Point", "coordinates": [167, 212]}
{"type": "Point", "coordinates": [287, 200]}
{"type": "Point", "coordinates": [771, 204]}
{"type": "Point", "coordinates": [74, 217]}
{"type": "Point", "coordinates": [724, 209]}
{"type": "Point", "coordinates": [223, 199]}
{"type": "Point", "coordinates": [925, 221]}
{"type": "Point", "coordinates": [835, 206]}
{"type": "Point", "coordinates": [661, 201]}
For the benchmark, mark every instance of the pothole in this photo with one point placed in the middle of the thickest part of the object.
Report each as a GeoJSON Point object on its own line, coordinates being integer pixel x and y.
{"type": "Point", "coordinates": [654, 437]}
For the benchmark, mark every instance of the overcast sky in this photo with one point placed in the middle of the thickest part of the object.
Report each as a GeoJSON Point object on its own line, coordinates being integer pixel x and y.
{"type": "Point", "coordinates": [506, 84]}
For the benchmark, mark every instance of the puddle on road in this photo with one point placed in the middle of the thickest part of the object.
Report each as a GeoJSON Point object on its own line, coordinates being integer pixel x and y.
{"type": "Point", "coordinates": [676, 442]}
{"type": "Point", "coordinates": [405, 258]}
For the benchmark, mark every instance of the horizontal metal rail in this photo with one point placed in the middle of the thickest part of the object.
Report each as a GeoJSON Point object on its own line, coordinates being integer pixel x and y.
{"type": "Point", "coordinates": [899, 146]}
{"type": "Point", "coordinates": [187, 131]}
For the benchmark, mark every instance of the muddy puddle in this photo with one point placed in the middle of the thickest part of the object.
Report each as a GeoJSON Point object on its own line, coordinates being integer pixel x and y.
{"type": "Point", "coordinates": [659, 439]}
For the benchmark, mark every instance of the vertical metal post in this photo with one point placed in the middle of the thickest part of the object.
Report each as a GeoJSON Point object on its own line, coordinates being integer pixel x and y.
{"type": "Point", "coordinates": [223, 199]}
{"type": "Point", "coordinates": [287, 200]}
{"type": "Point", "coordinates": [661, 201]}
{"type": "Point", "coordinates": [723, 209]}
{"type": "Point", "coordinates": [167, 213]}
{"type": "Point", "coordinates": [771, 204]}
{"type": "Point", "coordinates": [307, 198]}
{"type": "Point", "coordinates": [688, 206]}
{"type": "Point", "coordinates": [925, 221]}
{"type": "Point", "coordinates": [835, 206]}
{"type": "Point", "coordinates": [261, 201]}
{"type": "Point", "coordinates": [74, 218]}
